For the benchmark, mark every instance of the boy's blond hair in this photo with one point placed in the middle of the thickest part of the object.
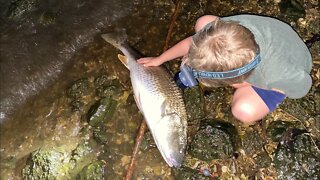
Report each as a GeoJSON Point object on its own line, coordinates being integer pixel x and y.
{"type": "Point", "coordinates": [223, 46]}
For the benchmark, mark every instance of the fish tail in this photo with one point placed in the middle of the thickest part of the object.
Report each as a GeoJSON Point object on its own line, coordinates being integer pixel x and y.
{"type": "Point", "coordinates": [117, 39]}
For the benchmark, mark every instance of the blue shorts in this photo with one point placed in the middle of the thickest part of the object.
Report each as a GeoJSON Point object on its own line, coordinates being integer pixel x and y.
{"type": "Point", "coordinates": [271, 98]}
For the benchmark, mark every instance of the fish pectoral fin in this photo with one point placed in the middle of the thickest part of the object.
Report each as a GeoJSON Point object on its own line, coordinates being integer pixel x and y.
{"type": "Point", "coordinates": [138, 102]}
{"type": "Point", "coordinates": [124, 60]}
{"type": "Point", "coordinates": [173, 118]}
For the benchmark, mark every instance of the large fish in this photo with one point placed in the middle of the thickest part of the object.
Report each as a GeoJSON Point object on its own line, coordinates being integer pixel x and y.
{"type": "Point", "coordinates": [159, 100]}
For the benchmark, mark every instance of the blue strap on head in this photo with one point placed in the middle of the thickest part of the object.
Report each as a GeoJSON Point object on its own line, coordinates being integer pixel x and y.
{"type": "Point", "coordinates": [228, 74]}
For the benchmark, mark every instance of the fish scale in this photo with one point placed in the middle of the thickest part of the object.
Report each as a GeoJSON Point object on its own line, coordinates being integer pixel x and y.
{"type": "Point", "coordinates": [160, 101]}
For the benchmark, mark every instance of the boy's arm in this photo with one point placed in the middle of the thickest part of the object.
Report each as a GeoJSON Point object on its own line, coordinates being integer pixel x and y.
{"type": "Point", "coordinates": [178, 50]}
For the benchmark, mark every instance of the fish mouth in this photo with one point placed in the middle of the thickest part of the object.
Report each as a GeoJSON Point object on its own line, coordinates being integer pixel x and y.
{"type": "Point", "coordinates": [174, 160]}
{"type": "Point", "coordinates": [173, 152]}
{"type": "Point", "coordinates": [171, 139]}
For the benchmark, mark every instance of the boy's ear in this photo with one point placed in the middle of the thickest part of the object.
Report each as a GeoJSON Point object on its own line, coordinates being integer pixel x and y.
{"type": "Point", "coordinates": [203, 21]}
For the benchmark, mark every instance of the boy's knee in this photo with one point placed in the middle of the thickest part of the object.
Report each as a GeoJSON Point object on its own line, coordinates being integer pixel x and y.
{"type": "Point", "coordinates": [246, 113]}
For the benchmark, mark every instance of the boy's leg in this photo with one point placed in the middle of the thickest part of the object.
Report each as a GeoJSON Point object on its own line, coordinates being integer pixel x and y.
{"type": "Point", "coordinates": [248, 106]}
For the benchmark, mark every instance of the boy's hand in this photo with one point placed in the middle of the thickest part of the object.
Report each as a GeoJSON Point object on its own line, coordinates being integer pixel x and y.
{"type": "Point", "coordinates": [150, 61]}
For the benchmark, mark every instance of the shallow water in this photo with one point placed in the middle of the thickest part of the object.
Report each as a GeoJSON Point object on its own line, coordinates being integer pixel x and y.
{"type": "Point", "coordinates": [40, 59]}
{"type": "Point", "coordinates": [38, 39]}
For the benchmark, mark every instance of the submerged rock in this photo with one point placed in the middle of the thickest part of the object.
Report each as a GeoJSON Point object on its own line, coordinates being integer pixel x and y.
{"type": "Point", "coordinates": [47, 18]}
{"type": "Point", "coordinates": [188, 174]}
{"type": "Point", "coordinates": [58, 163]}
{"type": "Point", "coordinates": [214, 140]}
{"type": "Point", "coordinates": [19, 7]}
{"type": "Point", "coordinates": [101, 134]}
{"type": "Point", "coordinates": [46, 164]}
{"type": "Point", "coordinates": [297, 156]}
{"type": "Point", "coordinates": [108, 86]}
{"type": "Point", "coordinates": [81, 150]}
{"type": "Point", "coordinates": [101, 110]}
{"type": "Point", "coordinates": [79, 88]}
{"type": "Point", "coordinates": [93, 171]}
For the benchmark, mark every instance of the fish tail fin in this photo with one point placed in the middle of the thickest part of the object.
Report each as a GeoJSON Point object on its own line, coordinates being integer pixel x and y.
{"type": "Point", "coordinates": [116, 39]}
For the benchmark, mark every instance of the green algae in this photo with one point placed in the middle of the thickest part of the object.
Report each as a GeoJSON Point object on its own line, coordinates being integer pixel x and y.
{"type": "Point", "coordinates": [101, 111]}
{"type": "Point", "coordinates": [93, 171]}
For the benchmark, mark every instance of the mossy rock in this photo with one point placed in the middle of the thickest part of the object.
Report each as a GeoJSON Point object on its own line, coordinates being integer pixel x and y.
{"type": "Point", "coordinates": [46, 164]}
{"type": "Point", "coordinates": [93, 171]}
{"type": "Point", "coordinates": [101, 134]}
{"type": "Point", "coordinates": [297, 156]}
{"type": "Point", "coordinates": [107, 86]}
{"type": "Point", "coordinates": [252, 141]}
{"type": "Point", "coordinates": [79, 88]}
{"type": "Point", "coordinates": [101, 110]}
{"type": "Point", "coordinates": [214, 140]}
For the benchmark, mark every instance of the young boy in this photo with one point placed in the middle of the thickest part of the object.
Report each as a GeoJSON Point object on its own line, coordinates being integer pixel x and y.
{"type": "Point", "coordinates": [282, 62]}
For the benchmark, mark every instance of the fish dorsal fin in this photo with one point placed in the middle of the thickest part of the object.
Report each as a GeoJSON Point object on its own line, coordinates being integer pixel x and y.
{"type": "Point", "coordinates": [124, 60]}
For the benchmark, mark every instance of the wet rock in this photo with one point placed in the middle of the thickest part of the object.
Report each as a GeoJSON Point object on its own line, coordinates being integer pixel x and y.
{"type": "Point", "coordinates": [262, 160]}
{"type": "Point", "coordinates": [101, 110]}
{"type": "Point", "coordinates": [77, 105]}
{"type": "Point", "coordinates": [94, 171]}
{"type": "Point", "coordinates": [252, 141]}
{"type": "Point", "coordinates": [79, 88]}
{"type": "Point", "coordinates": [81, 150]}
{"type": "Point", "coordinates": [302, 108]}
{"type": "Point", "coordinates": [108, 86]}
{"type": "Point", "coordinates": [101, 135]}
{"type": "Point", "coordinates": [297, 156]}
{"type": "Point", "coordinates": [292, 8]}
{"type": "Point", "coordinates": [188, 174]}
{"type": "Point", "coordinates": [194, 101]}
{"type": "Point", "coordinates": [217, 103]}
{"type": "Point", "coordinates": [19, 7]}
{"type": "Point", "coordinates": [47, 18]}
{"type": "Point", "coordinates": [214, 140]}
{"type": "Point", "coordinates": [312, 40]}
{"type": "Point", "coordinates": [147, 142]}
{"type": "Point", "coordinates": [276, 129]}
{"type": "Point", "coordinates": [43, 164]}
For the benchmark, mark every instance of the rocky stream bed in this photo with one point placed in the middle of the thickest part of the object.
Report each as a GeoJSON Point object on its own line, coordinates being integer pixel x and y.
{"type": "Point", "coordinates": [83, 124]}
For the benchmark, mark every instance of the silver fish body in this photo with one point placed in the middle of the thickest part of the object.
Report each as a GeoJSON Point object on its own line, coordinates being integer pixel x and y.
{"type": "Point", "coordinates": [160, 101]}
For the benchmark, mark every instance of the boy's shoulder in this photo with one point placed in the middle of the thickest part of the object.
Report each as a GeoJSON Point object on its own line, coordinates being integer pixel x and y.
{"type": "Point", "coordinates": [285, 59]}
{"type": "Point", "coordinates": [256, 19]}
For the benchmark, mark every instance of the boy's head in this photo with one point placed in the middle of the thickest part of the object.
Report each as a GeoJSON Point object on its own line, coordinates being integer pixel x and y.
{"type": "Point", "coordinates": [223, 46]}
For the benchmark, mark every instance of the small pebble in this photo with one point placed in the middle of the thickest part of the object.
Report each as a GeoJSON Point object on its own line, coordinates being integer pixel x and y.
{"type": "Point", "coordinates": [206, 172]}
{"type": "Point", "coordinates": [224, 169]}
